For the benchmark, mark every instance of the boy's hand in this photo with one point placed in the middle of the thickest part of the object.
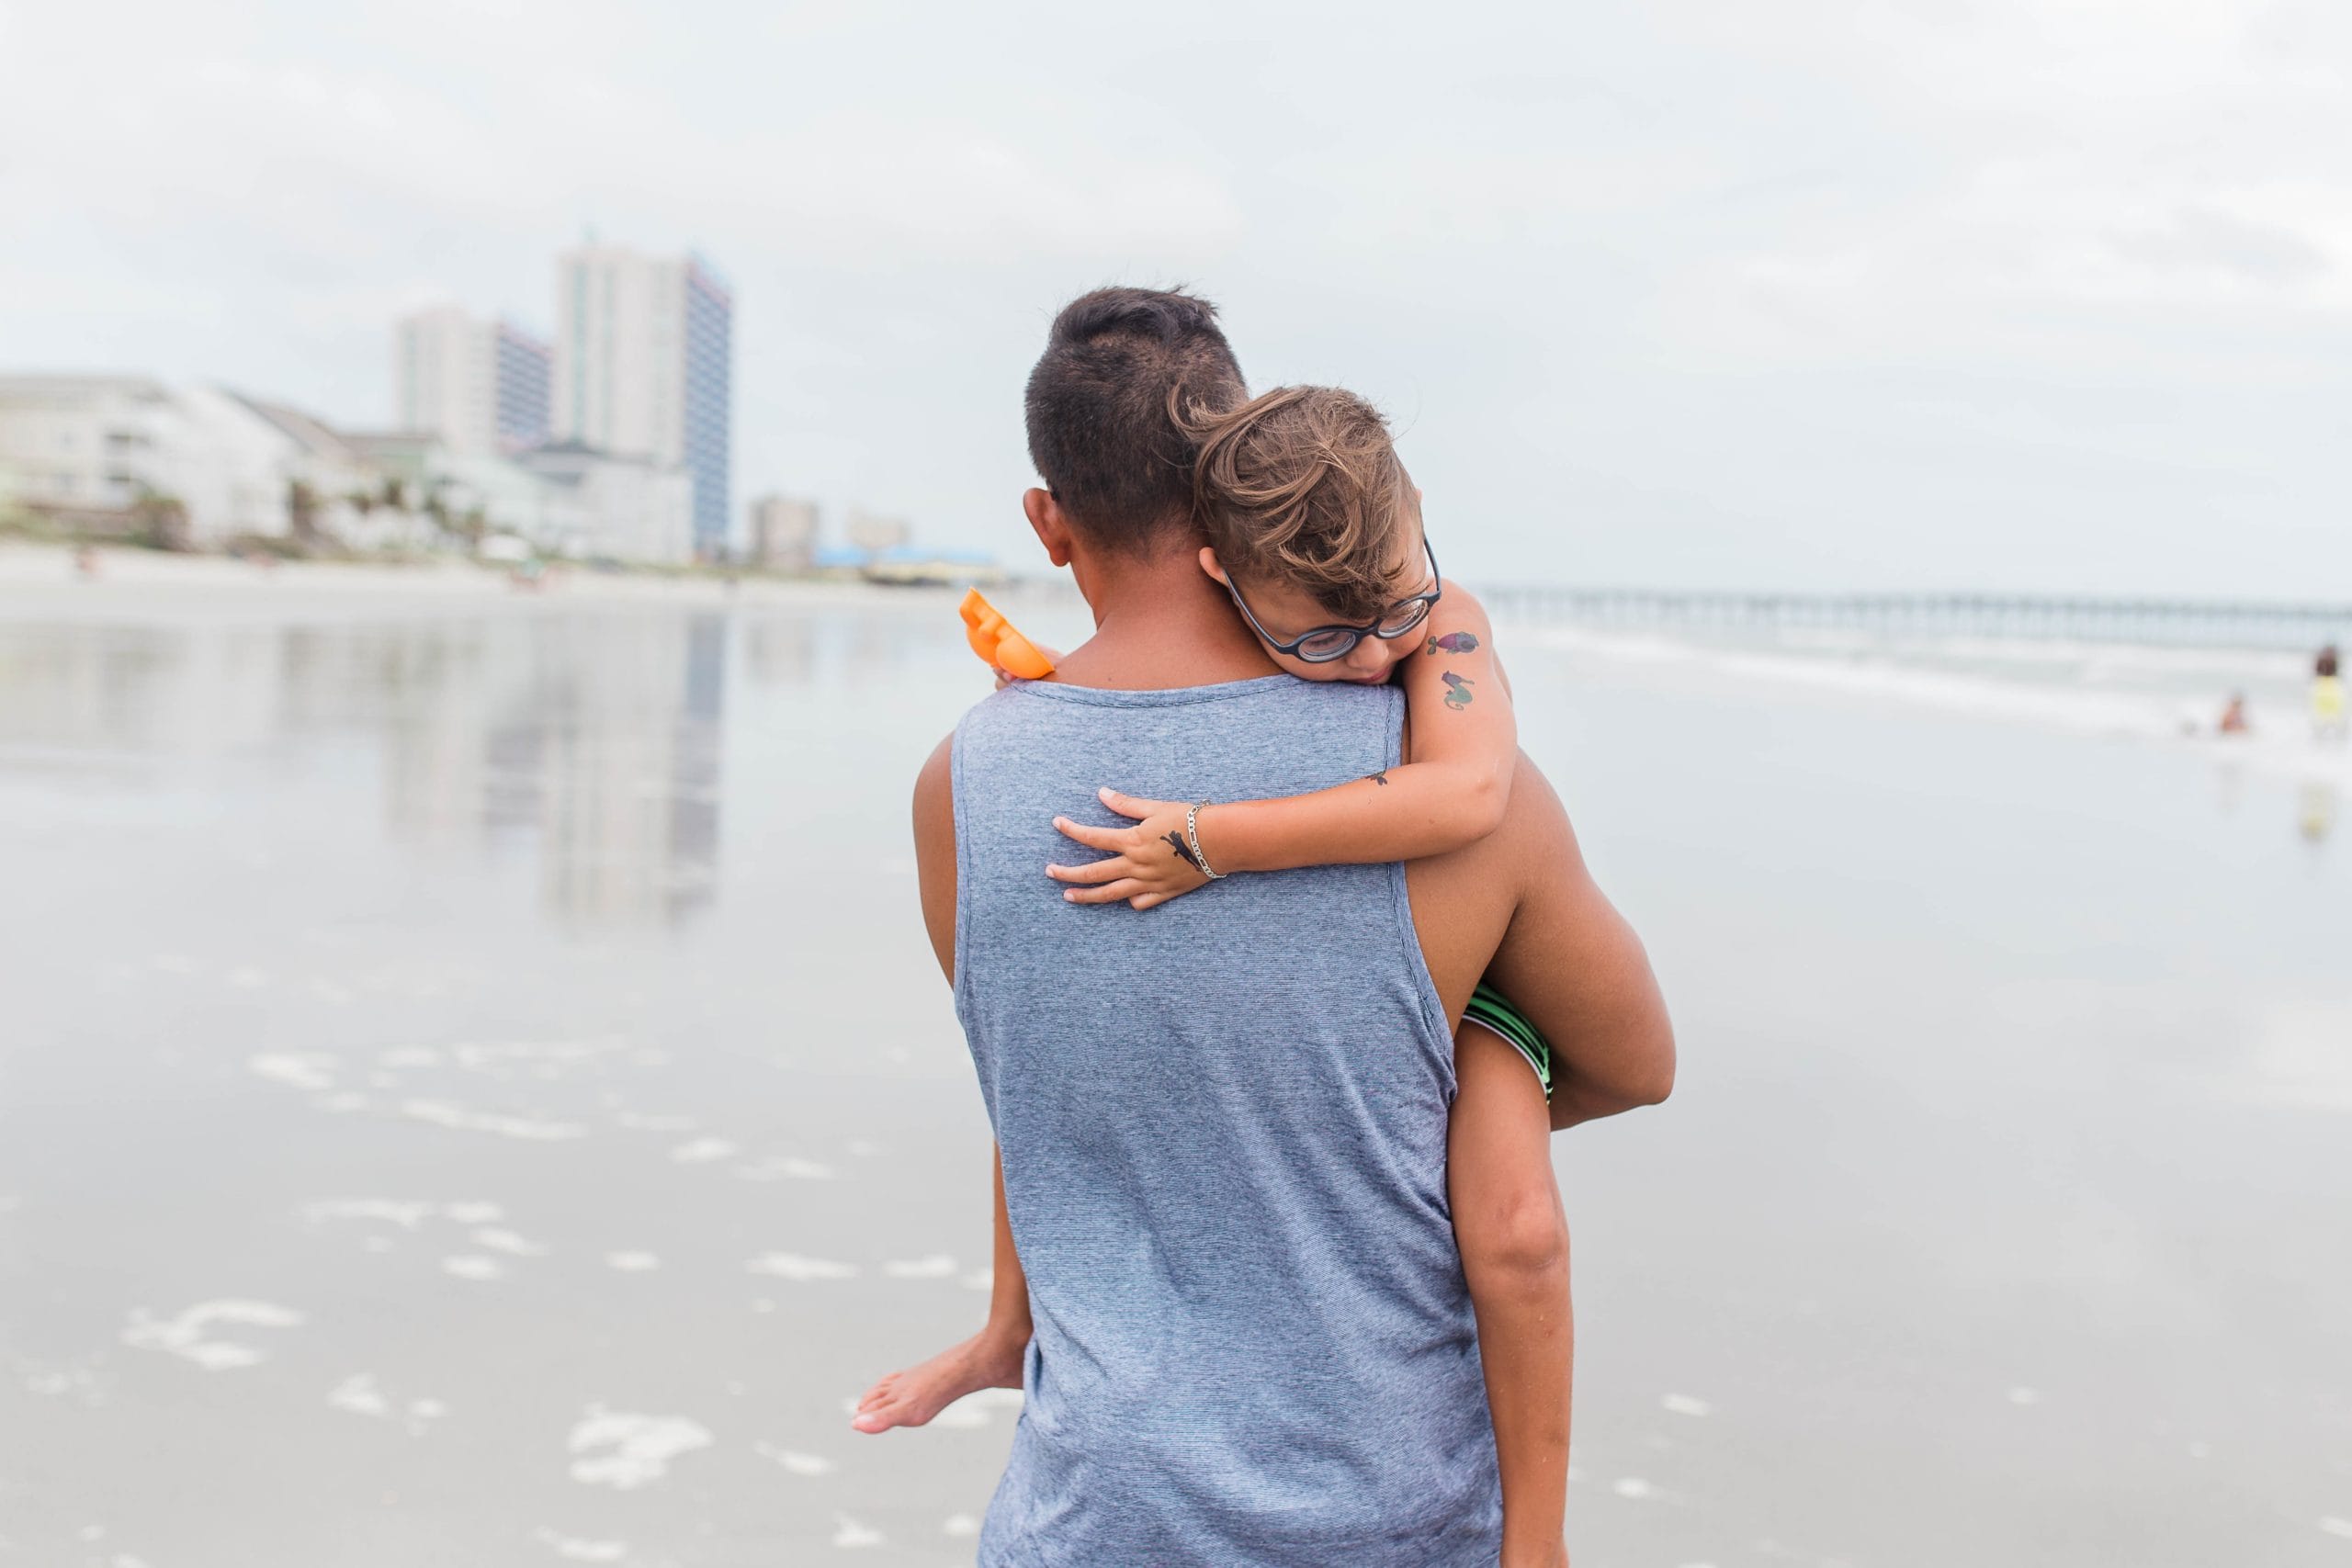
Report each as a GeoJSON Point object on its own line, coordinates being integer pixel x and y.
{"type": "Point", "coordinates": [1053, 656]}
{"type": "Point", "coordinates": [1151, 862]}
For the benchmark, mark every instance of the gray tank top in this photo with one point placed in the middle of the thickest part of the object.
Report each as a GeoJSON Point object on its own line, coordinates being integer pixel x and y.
{"type": "Point", "coordinates": [1223, 1123]}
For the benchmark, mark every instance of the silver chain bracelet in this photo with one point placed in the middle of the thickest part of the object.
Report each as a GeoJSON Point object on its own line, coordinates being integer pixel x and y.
{"type": "Point", "coordinates": [1192, 836]}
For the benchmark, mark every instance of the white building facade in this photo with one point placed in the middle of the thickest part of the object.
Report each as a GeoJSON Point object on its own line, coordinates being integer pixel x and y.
{"type": "Point", "coordinates": [97, 449]}
{"type": "Point", "coordinates": [875, 533]}
{"type": "Point", "coordinates": [477, 386]}
{"type": "Point", "coordinates": [505, 496]}
{"type": "Point", "coordinates": [644, 368]}
{"type": "Point", "coordinates": [601, 506]}
{"type": "Point", "coordinates": [94, 445]}
{"type": "Point", "coordinates": [80, 442]}
{"type": "Point", "coordinates": [783, 533]}
{"type": "Point", "coordinates": [442, 383]}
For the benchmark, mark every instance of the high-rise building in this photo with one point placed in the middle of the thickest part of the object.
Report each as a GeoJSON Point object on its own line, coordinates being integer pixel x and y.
{"type": "Point", "coordinates": [440, 385]}
{"type": "Point", "coordinates": [783, 533]}
{"type": "Point", "coordinates": [644, 368]}
{"type": "Point", "coordinates": [480, 386]}
{"type": "Point", "coordinates": [526, 370]}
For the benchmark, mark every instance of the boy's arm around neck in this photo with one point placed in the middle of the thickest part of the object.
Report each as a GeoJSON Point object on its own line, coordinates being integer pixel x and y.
{"type": "Point", "coordinates": [1455, 791]}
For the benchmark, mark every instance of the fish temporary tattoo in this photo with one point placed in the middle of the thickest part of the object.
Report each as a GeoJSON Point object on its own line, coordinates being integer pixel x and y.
{"type": "Point", "coordinates": [1184, 851]}
{"type": "Point", "coordinates": [1453, 642]}
{"type": "Point", "coordinates": [1457, 691]}
{"type": "Point", "coordinates": [1380, 778]}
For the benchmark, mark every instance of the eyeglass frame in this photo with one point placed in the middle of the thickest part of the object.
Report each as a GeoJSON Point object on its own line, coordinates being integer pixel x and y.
{"type": "Point", "coordinates": [1427, 602]}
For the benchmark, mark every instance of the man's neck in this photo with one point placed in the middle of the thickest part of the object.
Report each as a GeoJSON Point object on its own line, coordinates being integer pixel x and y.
{"type": "Point", "coordinates": [1159, 623]}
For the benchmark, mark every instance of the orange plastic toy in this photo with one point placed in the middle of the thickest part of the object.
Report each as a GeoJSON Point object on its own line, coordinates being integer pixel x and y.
{"type": "Point", "coordinates": [993, 638]}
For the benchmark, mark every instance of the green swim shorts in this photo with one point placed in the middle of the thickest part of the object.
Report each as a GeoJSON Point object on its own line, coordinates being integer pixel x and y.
{"type": "Point", "coordinates": [1492, 1010]}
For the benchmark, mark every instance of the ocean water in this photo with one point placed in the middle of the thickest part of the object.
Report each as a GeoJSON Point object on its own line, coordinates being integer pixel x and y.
{"type": "Point", "coordinates": [474, 1090]}
{"type": "Point", "coordinates": [2104, 690]}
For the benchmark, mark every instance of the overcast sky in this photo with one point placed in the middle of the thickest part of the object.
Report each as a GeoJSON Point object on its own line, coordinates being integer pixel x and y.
{"type": "Point", "coordinates": [2044, 294]}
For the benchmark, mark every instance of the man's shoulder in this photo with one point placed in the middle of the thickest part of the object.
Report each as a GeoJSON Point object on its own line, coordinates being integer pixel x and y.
{"type": "Point", "coordinates": [1007, 705]}
{"type": "Point", "coordinates": [999, 731]}
{"type": "Point", "coordinates": [994, 727]}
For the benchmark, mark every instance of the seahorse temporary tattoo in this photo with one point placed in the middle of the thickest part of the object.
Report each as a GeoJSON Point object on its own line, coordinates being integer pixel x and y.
{"type": "Point", "coordinates": [1380, 778]}
{"type": "Point", "coordinates": [1453, 642]}
{"type": "Point", "coordinates": [1176, 841]}
{"type": "Point", "coordinates": [1457, 690]}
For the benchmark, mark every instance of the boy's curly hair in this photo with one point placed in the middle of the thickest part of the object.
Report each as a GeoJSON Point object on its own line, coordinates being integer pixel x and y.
{"type": "Point", "coordinates": [1303, 484]}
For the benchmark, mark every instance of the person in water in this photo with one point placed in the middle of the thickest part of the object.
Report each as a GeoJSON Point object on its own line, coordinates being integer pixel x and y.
{"type": "Point", "coordinates": [1258, 1313]}
{"type": "Point", "coordinates": [2327, 696]}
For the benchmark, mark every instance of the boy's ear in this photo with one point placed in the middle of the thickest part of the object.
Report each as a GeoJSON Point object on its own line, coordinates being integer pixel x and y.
{"type": "Point", "coordinates": [1210, 565]}
{"type": "Point", "coordinates": [1053, 529]}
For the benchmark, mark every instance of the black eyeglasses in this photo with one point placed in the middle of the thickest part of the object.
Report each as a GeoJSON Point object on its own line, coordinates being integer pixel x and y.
{"type": "Point", "coordinates": [1325, 644]}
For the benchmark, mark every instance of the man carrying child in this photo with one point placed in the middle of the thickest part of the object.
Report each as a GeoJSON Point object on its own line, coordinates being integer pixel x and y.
{"type": "Point", "coordinates": [1228, 1274]}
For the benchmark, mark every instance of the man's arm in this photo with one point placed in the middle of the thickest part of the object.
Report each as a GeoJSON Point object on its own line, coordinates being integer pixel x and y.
{"type": "Point", "coordinates": [1572, 963]}
{"type": "Point", "coordinates": [992, 1357]}
{"type": "Point", "coordinates": [1553, 944]}
{"type": "Point", "coordinates": [935, 852]}
{"type": "Point", "coordinates": [936, 874]}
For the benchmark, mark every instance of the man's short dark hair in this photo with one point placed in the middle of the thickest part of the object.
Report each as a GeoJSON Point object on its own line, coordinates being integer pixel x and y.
{"type": "Point", "coordinates": [1102, 403]}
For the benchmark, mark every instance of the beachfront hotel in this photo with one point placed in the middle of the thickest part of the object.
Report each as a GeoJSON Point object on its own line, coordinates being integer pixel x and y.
{"type": "Point", "coordinates": [644, 368]}
{"type": "Point", "coordinates": [479, 386]}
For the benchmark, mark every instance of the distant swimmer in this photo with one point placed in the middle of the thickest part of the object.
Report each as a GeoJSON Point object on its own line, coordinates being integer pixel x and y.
{"type": "Point", "coordinates": [2233, 718]}
{"type": "Point", "coordinates": [2327, 696]}
{"type": "Point", "coordinates": [2316, 810]}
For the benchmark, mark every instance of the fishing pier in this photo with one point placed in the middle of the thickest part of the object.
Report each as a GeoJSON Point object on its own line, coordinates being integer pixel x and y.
{"type": "Point", "coordinates": [2199, 622]}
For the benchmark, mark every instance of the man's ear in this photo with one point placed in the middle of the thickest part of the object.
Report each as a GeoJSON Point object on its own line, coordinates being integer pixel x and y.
{"type": "Point", "coordinates": [1053, 529]}
{"type": "Point", "coordinates": [1209, 564]}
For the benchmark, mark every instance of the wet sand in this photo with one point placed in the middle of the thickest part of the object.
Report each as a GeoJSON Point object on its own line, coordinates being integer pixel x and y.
{"type": "Point", "coordinates": [475, 1091]}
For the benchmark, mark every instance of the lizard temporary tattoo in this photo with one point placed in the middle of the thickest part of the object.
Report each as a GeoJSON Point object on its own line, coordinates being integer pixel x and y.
{"type": "Point", "coordinates": [1176, 841]}
{"type": "Point", "coordinates": [1453, 642]}
{"type": "Point", "coordinates": [1457, 691]}
{"type": "Point", "coordinates": [1380, 778]}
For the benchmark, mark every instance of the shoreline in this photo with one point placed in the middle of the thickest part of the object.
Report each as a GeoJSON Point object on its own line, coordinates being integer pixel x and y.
{"type": "Point", "coordinates": [2165, 704]}
{"type": "Point", "coordinates": [127, 574]}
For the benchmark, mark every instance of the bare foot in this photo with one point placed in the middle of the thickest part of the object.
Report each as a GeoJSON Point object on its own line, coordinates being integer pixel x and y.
{"type": "Point", "coordinates": [912, 1397]}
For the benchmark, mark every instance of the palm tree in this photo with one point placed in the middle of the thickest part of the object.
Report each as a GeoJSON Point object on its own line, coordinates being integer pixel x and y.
{"type": "Point", "coordinates": [302, 511]}
{"type": "Point", "coordinates": [162, 521]}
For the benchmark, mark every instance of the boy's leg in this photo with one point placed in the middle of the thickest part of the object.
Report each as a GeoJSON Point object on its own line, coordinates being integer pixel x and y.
{"type": "Point", "coordinates": [1514, 1240]}
{"type": "Point", "coordinates": [991, 1359]}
